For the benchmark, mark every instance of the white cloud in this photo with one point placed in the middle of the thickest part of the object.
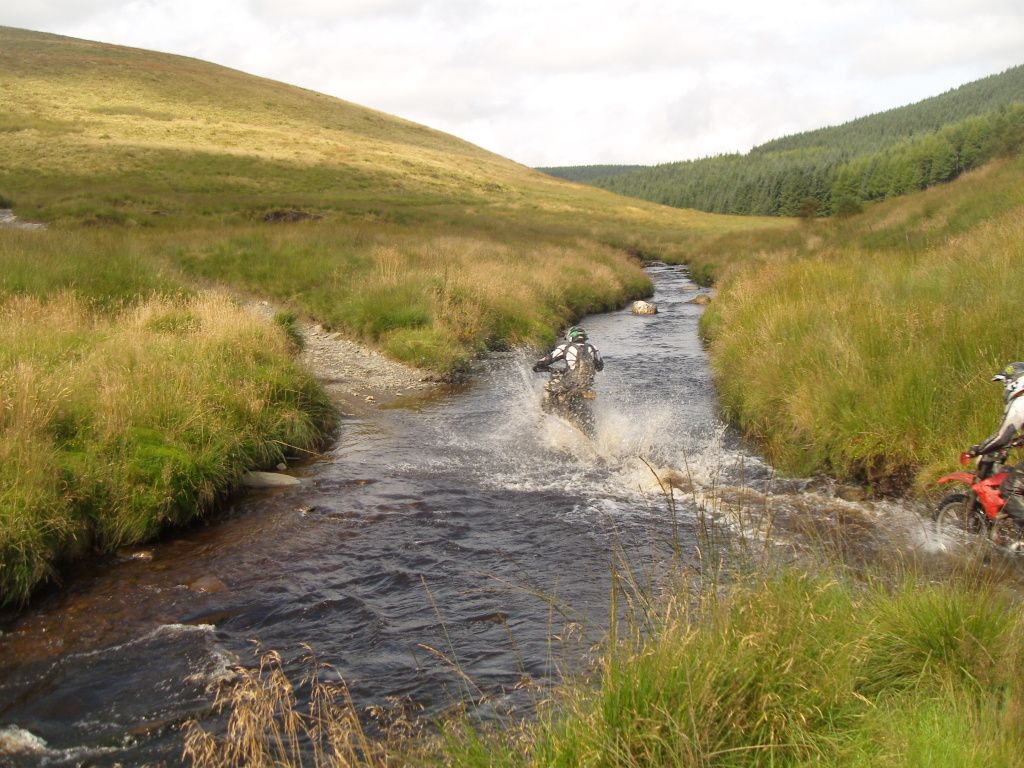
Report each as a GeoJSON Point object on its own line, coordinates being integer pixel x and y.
{"type": "Point", "coordinates": [577, 81]}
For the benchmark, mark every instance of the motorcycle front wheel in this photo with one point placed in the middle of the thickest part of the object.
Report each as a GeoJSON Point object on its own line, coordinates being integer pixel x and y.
{"type": "Point", "coordinates": [957, 512]}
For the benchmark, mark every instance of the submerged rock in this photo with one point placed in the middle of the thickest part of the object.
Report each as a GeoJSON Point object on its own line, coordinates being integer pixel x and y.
{"type": "Point", "coordinates": [671, 478]}
{"type": "Point", "coordinates": [209, 584]}
{"type": "Point", "coordinates": [644, 308]}
{"type": "Point", "coordinates": [128, 553]}
{"type": "Point", "coordinates": [268, 480]}
{"type": "Point", "coordinates": [700, 298]}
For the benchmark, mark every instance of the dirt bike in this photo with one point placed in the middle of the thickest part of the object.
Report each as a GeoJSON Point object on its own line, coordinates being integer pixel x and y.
{"type": "Point", "coordinates": [977, 509]}
{"type": "Point", "coordinates": [564, 398]}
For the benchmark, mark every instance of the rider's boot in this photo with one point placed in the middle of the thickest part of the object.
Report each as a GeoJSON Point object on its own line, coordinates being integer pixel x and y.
{"type": "Point", "coordinates": [1014, 507]}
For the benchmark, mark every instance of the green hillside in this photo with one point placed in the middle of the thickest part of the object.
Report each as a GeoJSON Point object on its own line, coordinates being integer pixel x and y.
{"type": "Point", "coordinates": [835, 169]}
{"type": "Point", "coordinates": [183, 160]}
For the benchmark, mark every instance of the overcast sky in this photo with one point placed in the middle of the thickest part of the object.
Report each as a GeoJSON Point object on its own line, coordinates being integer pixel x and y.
{"type": "Point", "coordinates": [569, 82]}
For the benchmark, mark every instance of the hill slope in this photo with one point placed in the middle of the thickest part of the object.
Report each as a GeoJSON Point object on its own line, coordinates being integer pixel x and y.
{"type": "Point", "coordinates": [833, 169]}
{"type": "Point", "coordinates": [94, 132]}
{"type": "Point", "coordinates": [102, 135]}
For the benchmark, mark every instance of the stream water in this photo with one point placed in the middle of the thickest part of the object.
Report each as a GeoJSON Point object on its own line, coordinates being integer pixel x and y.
{"type": "Point", "coordinates": [456, 549]}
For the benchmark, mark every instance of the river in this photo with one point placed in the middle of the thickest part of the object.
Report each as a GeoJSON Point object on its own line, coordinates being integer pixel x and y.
{"type": "Point", "coordinates": [458, 548]}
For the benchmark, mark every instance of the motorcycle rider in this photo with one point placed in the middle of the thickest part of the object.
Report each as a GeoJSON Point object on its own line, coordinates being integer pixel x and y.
{"type": "Point", "coordinates": [1012, 488]}
{"type": "Point", "coordinates": [582, 361]}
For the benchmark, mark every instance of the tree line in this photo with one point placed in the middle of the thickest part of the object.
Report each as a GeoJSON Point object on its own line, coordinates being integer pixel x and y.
{"type": "Point", "coordinates": [834, 170]}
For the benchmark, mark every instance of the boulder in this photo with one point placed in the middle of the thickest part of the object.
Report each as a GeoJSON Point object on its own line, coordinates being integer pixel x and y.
{"type": "Point", "coordinates": [128, 553]}
{"type": "Point", "coordinates": [700, 298]}
{"type": "Point", "coordinates": [644, 308]}
{"type": "Point", "coordinates": [268, 480]}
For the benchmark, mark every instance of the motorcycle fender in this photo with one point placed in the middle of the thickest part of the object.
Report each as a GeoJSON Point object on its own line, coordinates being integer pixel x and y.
{"type": "Point", "coordinates": [957, 477]}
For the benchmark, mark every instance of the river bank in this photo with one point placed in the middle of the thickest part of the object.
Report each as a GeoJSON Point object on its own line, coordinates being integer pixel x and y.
{"type": "Point", "coordinates": [862, 348]}
{"type": "Point", "coordinates": [118, 426]}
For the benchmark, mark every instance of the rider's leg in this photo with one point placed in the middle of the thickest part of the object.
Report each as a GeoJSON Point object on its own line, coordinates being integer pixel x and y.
{"type": "Point", "coordinates": [1012, 489]}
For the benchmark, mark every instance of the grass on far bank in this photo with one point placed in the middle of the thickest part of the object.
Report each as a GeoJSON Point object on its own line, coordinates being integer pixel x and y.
{"type": "Point", "coordinates": [865, 351]}
{"type": "Point", "coordinates": [784, 669]}
{"type": "Point", "coordinates": [114, 426]}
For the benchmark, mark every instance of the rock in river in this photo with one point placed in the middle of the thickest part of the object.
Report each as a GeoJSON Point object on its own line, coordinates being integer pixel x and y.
{"type": "Point", "coordinates": [644, 308]}
{"type": "Point", "coordinates": [268, 480]}
{"type": "Point", "coordinates": [208, 584]}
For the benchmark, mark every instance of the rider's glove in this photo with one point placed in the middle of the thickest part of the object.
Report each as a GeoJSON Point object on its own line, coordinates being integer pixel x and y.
{"type": "Point", "coordinates": [974, 450]}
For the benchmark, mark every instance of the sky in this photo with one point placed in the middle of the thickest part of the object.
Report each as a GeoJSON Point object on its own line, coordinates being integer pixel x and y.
{"type": "Point", "coordinates": [573, 82]}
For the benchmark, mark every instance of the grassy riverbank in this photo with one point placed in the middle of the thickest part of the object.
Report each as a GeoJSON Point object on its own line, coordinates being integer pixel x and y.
{"type": "Point", "coordinates": [794, 670]}
{"type": "Point", "coordinates": [863, 347]}
{"type": "Point", "coordinates": [118, 424]}
{"type": "Point", "coordinates": [784, 669]}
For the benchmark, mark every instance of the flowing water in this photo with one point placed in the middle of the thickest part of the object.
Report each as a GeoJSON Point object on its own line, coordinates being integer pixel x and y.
{"type": "Point", "coordinates": [456, 549]}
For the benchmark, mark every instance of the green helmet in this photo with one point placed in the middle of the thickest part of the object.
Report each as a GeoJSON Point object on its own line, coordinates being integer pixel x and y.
{"type": "Point", "coordinates": [575, 334]}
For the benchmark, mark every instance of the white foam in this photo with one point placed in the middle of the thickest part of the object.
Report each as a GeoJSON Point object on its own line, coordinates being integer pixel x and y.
{"type": "Point", "coordinates": [15, 740]}
{"type": "Point", "coordinates": [18, 741]}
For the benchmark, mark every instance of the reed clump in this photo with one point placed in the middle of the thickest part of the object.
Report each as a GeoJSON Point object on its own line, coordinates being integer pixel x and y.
{"type": "Point", "coordinates": [268, 725]}
{"type": "Point", "coordinates": [116, 425]}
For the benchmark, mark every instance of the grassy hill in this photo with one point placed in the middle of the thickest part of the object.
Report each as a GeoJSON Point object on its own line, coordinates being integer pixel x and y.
{"type": "Point", "coordinates": [835, 169]}
{"type": "Point", "coordinates": [183, 159]}
{"type": "Point", "coordinates": [134, 393]}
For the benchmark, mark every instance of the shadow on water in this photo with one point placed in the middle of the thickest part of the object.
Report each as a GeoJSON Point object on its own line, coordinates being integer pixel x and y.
{"type": "Point", "coordinates": [467, 536]}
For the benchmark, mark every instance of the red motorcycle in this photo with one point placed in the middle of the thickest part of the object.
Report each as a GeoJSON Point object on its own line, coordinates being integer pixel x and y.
{"type": "Point", "coordinates": [978, 509]}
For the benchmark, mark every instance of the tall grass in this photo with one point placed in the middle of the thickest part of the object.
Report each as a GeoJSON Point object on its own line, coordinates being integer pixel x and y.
{"type": "Point", "coordinates": [432, 300]}
{"type": "Point", "coordinates": [114, 426]}
{"type": "Point", "coordinates": [783, 669]}
{"type": "Point", "coordinates": [788, 670]}
{"type": "Point", "coordinates": [872, 363]}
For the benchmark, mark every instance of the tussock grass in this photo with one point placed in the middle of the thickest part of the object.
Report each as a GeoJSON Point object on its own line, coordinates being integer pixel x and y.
{"type": "Point", "coordinates": [783, 669]}
{"type": "Point", "coordinates": [790, 669]}
{"type": "Point", "coordinates": [268, 726]}
{"type": "Point", "coordinates": [114, 426]}
{"type": "Point", "coordinates": [868, 355]}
